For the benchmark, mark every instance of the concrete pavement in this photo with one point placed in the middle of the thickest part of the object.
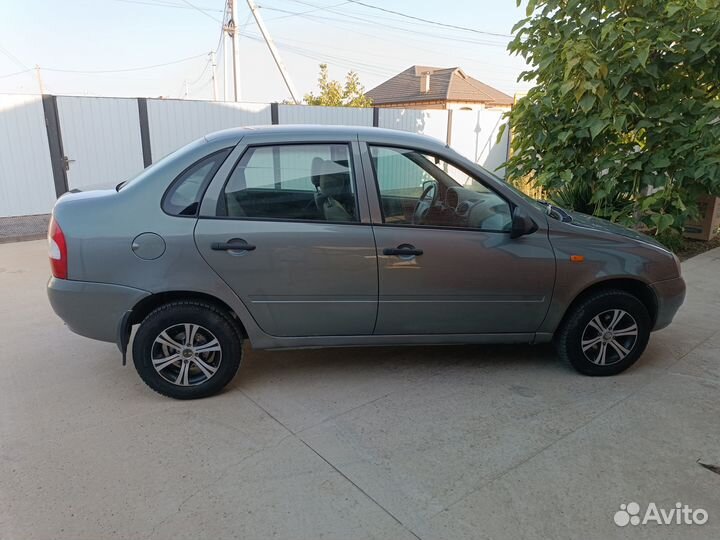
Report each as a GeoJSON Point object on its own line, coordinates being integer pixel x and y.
{"type": "Point", "coordinates": [390, 443]}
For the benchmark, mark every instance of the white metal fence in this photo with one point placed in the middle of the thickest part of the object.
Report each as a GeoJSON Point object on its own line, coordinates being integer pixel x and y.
{"type": "Point", "coordinates": [174, 123]}
{"type": "Point", "coordinates": [49, 144]}
{"type": "Point", "coordinates": [101, 139]}
{"type": "Point", "coordinates": [26, 179]}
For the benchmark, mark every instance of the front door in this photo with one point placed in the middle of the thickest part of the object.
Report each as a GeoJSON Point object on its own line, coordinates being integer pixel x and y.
{"type": "Point", "coordinates": [288, 239]}
{"type": "Point", "coordinates": [446, 262]}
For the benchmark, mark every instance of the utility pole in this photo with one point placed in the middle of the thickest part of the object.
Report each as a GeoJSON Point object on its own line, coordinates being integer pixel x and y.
{"type": "Point", "coordinates": [273, 51]}
{"type": "Point", "coordinates": [225, 70]}
{"type": "Point", "coordinates": [39, 79]}
{"type": "Point", "coordinates": [213, 65]}
{"type": "Point", "coordinates": [232, 29]}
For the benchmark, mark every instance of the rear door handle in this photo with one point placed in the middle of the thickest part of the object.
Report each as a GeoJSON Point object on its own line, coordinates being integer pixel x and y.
{"type": "Point", "coordinates": [235, 244]}
{"type": "Point", "coordinates": [403, 251]}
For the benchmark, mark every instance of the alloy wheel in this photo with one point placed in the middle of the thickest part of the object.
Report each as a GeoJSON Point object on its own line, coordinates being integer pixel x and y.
{"type": "Point", "coordinates": [609, 337]}
{"type": "Point", "coordinates": [186, 354]}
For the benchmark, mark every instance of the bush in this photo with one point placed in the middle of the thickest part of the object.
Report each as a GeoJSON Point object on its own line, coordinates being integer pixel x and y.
{"type": "Point", "coordinates": [624, 119]}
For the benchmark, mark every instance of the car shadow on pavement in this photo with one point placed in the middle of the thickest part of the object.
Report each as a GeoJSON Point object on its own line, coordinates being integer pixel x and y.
{"type": "Point", "coordinates": [260, 367]}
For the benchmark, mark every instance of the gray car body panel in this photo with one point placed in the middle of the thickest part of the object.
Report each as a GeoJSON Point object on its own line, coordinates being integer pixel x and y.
{"type": "Point", "coordinates": [100, 227]}
{"type": "Point", "coordinates": [313, 290]}
{"type": "Point", "coordinates": [467, 280]}
{"type": "Point", "coordinates": [92, 309]}
{"type": "Point", "coordinates": [607, 256]}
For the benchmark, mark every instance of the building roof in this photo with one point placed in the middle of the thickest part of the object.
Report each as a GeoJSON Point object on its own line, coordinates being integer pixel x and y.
{"type": "Point", "coordinates": [446, 84]}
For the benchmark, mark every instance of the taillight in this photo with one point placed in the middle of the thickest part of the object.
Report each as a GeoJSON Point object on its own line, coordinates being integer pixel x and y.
{"type": "Point", "coordinates": [57, 250]}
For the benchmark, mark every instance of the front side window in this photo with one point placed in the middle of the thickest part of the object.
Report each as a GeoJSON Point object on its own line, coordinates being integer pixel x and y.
{"type": "Point", "coordinates": [301, 182]}
{"type": "Point", "coordinates": [420, 189]}
{"type": "Point", "coordinates": [183, 197]}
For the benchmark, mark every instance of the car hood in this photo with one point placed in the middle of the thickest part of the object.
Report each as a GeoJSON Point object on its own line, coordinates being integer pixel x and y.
{"type": "Point", "coordinates": [598, 224]}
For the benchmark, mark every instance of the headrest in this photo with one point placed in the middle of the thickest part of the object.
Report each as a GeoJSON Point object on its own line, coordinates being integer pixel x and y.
{"type": "Point", "coordinates": [333, 185]}
{"type": "Point", "coordinates": [316, 170]}
{"type": "Point", "coordinates": [330, 177]}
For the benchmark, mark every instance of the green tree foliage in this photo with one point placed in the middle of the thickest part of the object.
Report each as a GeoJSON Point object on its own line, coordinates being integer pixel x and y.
{"type": "Point", "coordinates": [335, 94]}
{"type": "Point", "coordinates": [624, 118]}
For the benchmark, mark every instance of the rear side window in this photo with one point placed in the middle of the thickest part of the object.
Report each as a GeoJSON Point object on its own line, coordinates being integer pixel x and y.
{"type": "Point", "coordinates": [183, 197]}
{"type": "Point", "coordinates": [308, 182]}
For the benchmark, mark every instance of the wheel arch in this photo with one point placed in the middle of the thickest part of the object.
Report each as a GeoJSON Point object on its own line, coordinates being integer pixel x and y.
{"type": "Point", "coordinates": [147, 304]}
{"type": "Point", "coordinates": [151, 302]}
{"type": "Point", "coordinates": [641, 290]}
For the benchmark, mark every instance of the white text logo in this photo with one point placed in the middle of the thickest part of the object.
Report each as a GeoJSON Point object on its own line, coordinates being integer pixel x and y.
{"type": "Point", "coordinates": [681, 514]}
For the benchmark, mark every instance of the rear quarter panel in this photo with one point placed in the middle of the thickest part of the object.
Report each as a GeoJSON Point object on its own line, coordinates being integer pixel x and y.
{"type": "Point", "coordinates": [100, 228]}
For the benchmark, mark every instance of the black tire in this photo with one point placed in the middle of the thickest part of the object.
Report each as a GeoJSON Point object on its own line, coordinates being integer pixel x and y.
{"type": "Point", "coordinates": [211, 322]}
{"type": "Point", "coordinates": [601, 307]}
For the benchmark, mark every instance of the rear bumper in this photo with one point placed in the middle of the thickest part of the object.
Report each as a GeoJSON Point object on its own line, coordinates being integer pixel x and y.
{"type": "Point", "coordinates": [93, 310]}
{"type": "Point", "coordinates": [670, 295]}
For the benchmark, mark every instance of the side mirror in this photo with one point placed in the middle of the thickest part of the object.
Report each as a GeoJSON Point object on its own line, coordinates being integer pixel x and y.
{"type": "Point", "coordinates": [522, 223]}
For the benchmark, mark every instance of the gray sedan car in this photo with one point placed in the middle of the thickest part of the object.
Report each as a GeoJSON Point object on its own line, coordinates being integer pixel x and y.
{"type": "Point", "coordinates": [312, 236]}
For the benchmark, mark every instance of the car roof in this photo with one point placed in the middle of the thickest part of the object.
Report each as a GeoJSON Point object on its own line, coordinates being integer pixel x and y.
{"type": "Point", "coordinates": [330, 131]}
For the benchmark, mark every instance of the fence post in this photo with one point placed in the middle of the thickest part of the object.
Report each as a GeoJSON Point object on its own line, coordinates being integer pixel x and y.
{"type": "Point", "coordinates": [274, 113]}
{"type": "Point", "coordinates": [376, 116]}
{"type": "Point", "coordinates": [144, 132]}
{"type": "Point", "coordinates": [448, 139]}
{"type": "Point", "coordinates": [57, 154]}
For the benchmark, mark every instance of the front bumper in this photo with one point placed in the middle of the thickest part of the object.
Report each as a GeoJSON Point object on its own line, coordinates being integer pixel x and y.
{"type": "Point", "coordinates": [93, 310]}
{"type": "Point", "coordinates": [670, 295]}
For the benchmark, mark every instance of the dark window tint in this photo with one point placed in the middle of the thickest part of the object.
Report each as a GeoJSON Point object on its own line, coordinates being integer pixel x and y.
{"type": "Point", "coordinates": [183, 197]}
{"type": "Point", "coordinates": [302, 182]}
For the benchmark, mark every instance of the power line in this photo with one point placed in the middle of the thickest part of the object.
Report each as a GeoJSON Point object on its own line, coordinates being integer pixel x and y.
{"type": "Point", "coordinates": [126, 69]}
{"type": "Point", "coordinates": [203, 11]}
{"type": "Point", "coordinates": [386, 56]}
{"type": "Point", "coordinates": [158, 3]}
{"type": "Point", "coordinates": [330, 59]}
{"type": "Point", "coordinates": [375, 23]}
{"type": "Point", "coordinates": [413, 17]}
{"type": "Point", "coordinates": [341, 24]}
{"type": "Point", "coordinates": [13, 58]}
{"type": "Point", "coordinates": [413, 31]}
{"type": "Point", "coordinates": [383, 37]}
{"type": "Point", "coordinates": [193, 83]}
{"type": "Point", "coordinates": [16, 73]}
{"type": "Point", "coordinates": [318, 8]}
{"type": "Point", "coordinates": [222, 29]}
{"type": "Point", "coordinates": [345, 61]}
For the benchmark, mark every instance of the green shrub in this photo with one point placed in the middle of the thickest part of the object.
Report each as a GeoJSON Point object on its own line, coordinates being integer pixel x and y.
{"type": "Point", "coordinates": [624, 119]}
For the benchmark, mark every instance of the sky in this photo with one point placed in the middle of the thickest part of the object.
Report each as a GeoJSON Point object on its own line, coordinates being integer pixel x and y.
{"type": "Point", "coordinates": [95, 47]}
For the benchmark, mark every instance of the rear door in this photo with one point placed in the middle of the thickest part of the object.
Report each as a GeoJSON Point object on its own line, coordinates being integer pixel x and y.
{"type": "Point", "coordinates": [298, 272]}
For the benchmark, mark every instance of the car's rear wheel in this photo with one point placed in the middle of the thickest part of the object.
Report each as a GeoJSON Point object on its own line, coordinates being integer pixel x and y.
{"type": "Point", "coordinates": [605, 333]}
{"type": "Point", "coordinates": [187, 350]}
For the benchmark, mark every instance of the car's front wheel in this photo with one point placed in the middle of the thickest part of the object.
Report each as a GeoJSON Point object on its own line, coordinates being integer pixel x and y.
{"type": "Point", "coordinates": [187, 350]}
{"type": "Point", "coordinates": [605, 333]}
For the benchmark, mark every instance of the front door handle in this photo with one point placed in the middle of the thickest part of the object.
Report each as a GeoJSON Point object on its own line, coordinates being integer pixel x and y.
{"type": "Point", "coordinates": [235, 244]}
{"type": "Point", "coordinates": [403, 251]}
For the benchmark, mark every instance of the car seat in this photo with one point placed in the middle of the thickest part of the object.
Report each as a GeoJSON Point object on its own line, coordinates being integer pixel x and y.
{"type": "Point", "coordinates": [332, 190]}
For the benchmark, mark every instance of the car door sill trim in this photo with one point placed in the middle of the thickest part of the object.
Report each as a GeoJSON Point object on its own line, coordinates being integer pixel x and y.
{"type": "Point", "coordinates": [275, 342]}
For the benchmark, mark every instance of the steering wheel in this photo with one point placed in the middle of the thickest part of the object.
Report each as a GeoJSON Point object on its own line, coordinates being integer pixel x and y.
{"type": "Point", "coordinates": [427, 200]}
